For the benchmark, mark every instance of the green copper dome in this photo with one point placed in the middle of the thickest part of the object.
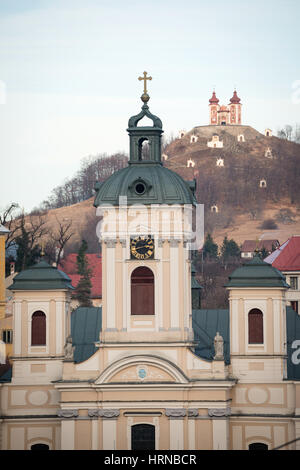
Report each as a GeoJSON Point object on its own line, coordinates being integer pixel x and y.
{"type": "Point", "coordinates": [145, 180]}
{"type": "Point", "coordinates": [41, 276]}
{"type": "Point", "coordinates": [145, 183]}
{"type": "Point", "coordinates": [257, 273]}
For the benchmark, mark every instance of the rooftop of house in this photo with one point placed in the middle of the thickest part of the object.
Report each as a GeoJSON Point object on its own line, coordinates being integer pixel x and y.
{"type": "Point", "coordinates": [250, 246]}
{"type": "Point", "coordinates": [287, 256]}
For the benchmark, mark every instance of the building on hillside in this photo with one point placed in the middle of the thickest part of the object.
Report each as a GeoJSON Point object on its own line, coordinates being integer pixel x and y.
{"type": "Point", "coordinates": [69, 266]}
{"type": "Point", "coordinates": [221, 115]}
{"type": "Point", "coordinates": [249, 247]}
{"type": "Point", "coordinates": [150, 369]}
{"type": "Point", "coordinates": [215, 142]}
{"type": "Point", "coordinates": [268, 153]}
{"type": "Point", "coordinates": [287, 259]}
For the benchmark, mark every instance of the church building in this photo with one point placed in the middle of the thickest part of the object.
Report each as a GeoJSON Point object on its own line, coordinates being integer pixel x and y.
{"type": "Point", "coordinates": [150, 369]}
{"type": "Point", "coordinates": [221, 115]}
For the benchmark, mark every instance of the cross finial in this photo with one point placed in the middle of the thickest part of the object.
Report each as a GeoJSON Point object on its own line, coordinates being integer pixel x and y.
{"type": "Point", "coordinates": [145, 78]}
{"type": "Point", "coordinates": [145, 97]}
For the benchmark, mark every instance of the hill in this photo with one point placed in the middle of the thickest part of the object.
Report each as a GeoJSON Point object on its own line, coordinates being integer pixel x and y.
{"type": "Point", "coordinates": [244, 178]}
{"type": "Point", "coordinates": [243, 175]}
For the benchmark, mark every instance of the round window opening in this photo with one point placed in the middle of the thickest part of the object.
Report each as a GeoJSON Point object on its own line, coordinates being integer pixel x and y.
{"type": "Point", "coordinates": [140, 188]}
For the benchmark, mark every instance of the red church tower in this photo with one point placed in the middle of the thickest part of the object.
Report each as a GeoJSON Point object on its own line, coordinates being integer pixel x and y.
{"type": "Point", "coordinates": [213, 109]}
{"type": "Point", "coordinates": [235, 108]}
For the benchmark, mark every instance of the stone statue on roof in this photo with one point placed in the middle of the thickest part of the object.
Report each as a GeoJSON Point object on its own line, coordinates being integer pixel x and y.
{"type": "Point", "coordinates": [219, 347]}
{"type": "Point", "coordinates": [69, 349]}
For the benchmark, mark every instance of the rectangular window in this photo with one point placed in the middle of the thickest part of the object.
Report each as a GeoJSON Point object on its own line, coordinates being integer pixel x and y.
{"type": "Point", "coordinates": [294, 305]}
{"type": "Point", "coordinates": [7, 336]}
{"type": "Point", "coordinates": [294, 282]}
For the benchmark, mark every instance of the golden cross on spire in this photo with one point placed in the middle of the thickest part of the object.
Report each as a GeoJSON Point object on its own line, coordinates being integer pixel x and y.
{"type": "Point", "coordinates": [145, 78]}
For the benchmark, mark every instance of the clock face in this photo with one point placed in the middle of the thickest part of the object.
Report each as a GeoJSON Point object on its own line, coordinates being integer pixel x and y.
{"type": "Point", "coordinates": [142, 247]}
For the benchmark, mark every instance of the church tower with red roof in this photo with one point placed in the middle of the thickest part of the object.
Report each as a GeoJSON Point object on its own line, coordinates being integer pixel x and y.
{"type": "Point", "coordinates": [235, 109]}
{"type": "Point", "coordinates": [213, 109]}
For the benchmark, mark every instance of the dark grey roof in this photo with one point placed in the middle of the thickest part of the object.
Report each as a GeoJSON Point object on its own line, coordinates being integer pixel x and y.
{"type": "Point", "coordinates": [41, 276]}
{"type": "Point", "coordinates": [163, 186]}
{"type": "Point", "coordinates": [86, 324]}
{"type": "Point", "coordinates": [206, 323]}
{"type": "Point", "coordinates": [257, 273]}
{"type": "Point", "coordinates": [293, 334]}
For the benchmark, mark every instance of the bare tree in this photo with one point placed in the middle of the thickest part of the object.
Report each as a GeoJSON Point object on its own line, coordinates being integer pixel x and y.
{"type": "Point", "coordinates": [289, 132]}
{"type": "Point", "coordinates": [31, 229]}
{"type": "Point", "coordinates": [8, 220]}
{"type": "Point", "coordinates": [58, 239]}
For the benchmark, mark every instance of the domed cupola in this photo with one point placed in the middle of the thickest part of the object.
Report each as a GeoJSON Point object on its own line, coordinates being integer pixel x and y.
{"type": "Point", "coordinates": [235, 99]}
{"type": "Point", "coordinates": [214, 99]}
{"type": "Point", "coordinates": [41, 276]}
{"type": "Point", "coordinates": [257, 273]}
{"type": "Point", "coordinates": [145, 180]}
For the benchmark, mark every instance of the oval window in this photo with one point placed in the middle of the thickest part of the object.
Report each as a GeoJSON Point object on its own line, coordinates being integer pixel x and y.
{"type": "Point", "coordinates": [140, 188]}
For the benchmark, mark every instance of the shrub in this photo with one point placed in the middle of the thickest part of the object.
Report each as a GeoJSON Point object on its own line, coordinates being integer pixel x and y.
{"type": "Point", "coordinates": [269, 224]}
{"type": "Point", "coordinates": [285, 216]}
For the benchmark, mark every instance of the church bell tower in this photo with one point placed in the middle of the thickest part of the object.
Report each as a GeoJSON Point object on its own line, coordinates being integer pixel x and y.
{"type": "Point", "coordinates": [146, 263]}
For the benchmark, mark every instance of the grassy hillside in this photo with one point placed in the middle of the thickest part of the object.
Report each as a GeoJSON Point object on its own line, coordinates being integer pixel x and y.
{"type": "Point", "coordinates": [234, 188]}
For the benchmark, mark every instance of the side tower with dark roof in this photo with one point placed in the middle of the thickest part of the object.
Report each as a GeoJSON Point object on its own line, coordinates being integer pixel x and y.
{"type": "Point", "coordinates": [41, 316]}
{"type": "Point", "coordinates": [258, 347]}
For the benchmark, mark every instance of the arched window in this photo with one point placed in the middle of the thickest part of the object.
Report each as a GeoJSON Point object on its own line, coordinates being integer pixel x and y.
{"type": "Point", "coordinates": [258, 446]}
{"type": "Point", "coordinates": [142, 291]}
{"type": "Point", "coordinates": [255, 326]}
{"type": "Point", "coordinates": [143, 437]}
{"type": "Point", "coordinates": [38, 329]}
{"type": "Point", "coordinates": [144, 149]}
{"type": "Point", "coordinates": [39, 447]}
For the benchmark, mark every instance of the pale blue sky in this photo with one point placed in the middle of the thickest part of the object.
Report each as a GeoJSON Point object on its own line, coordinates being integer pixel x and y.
{"type": "Point", "coordinates": [70, 70]}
